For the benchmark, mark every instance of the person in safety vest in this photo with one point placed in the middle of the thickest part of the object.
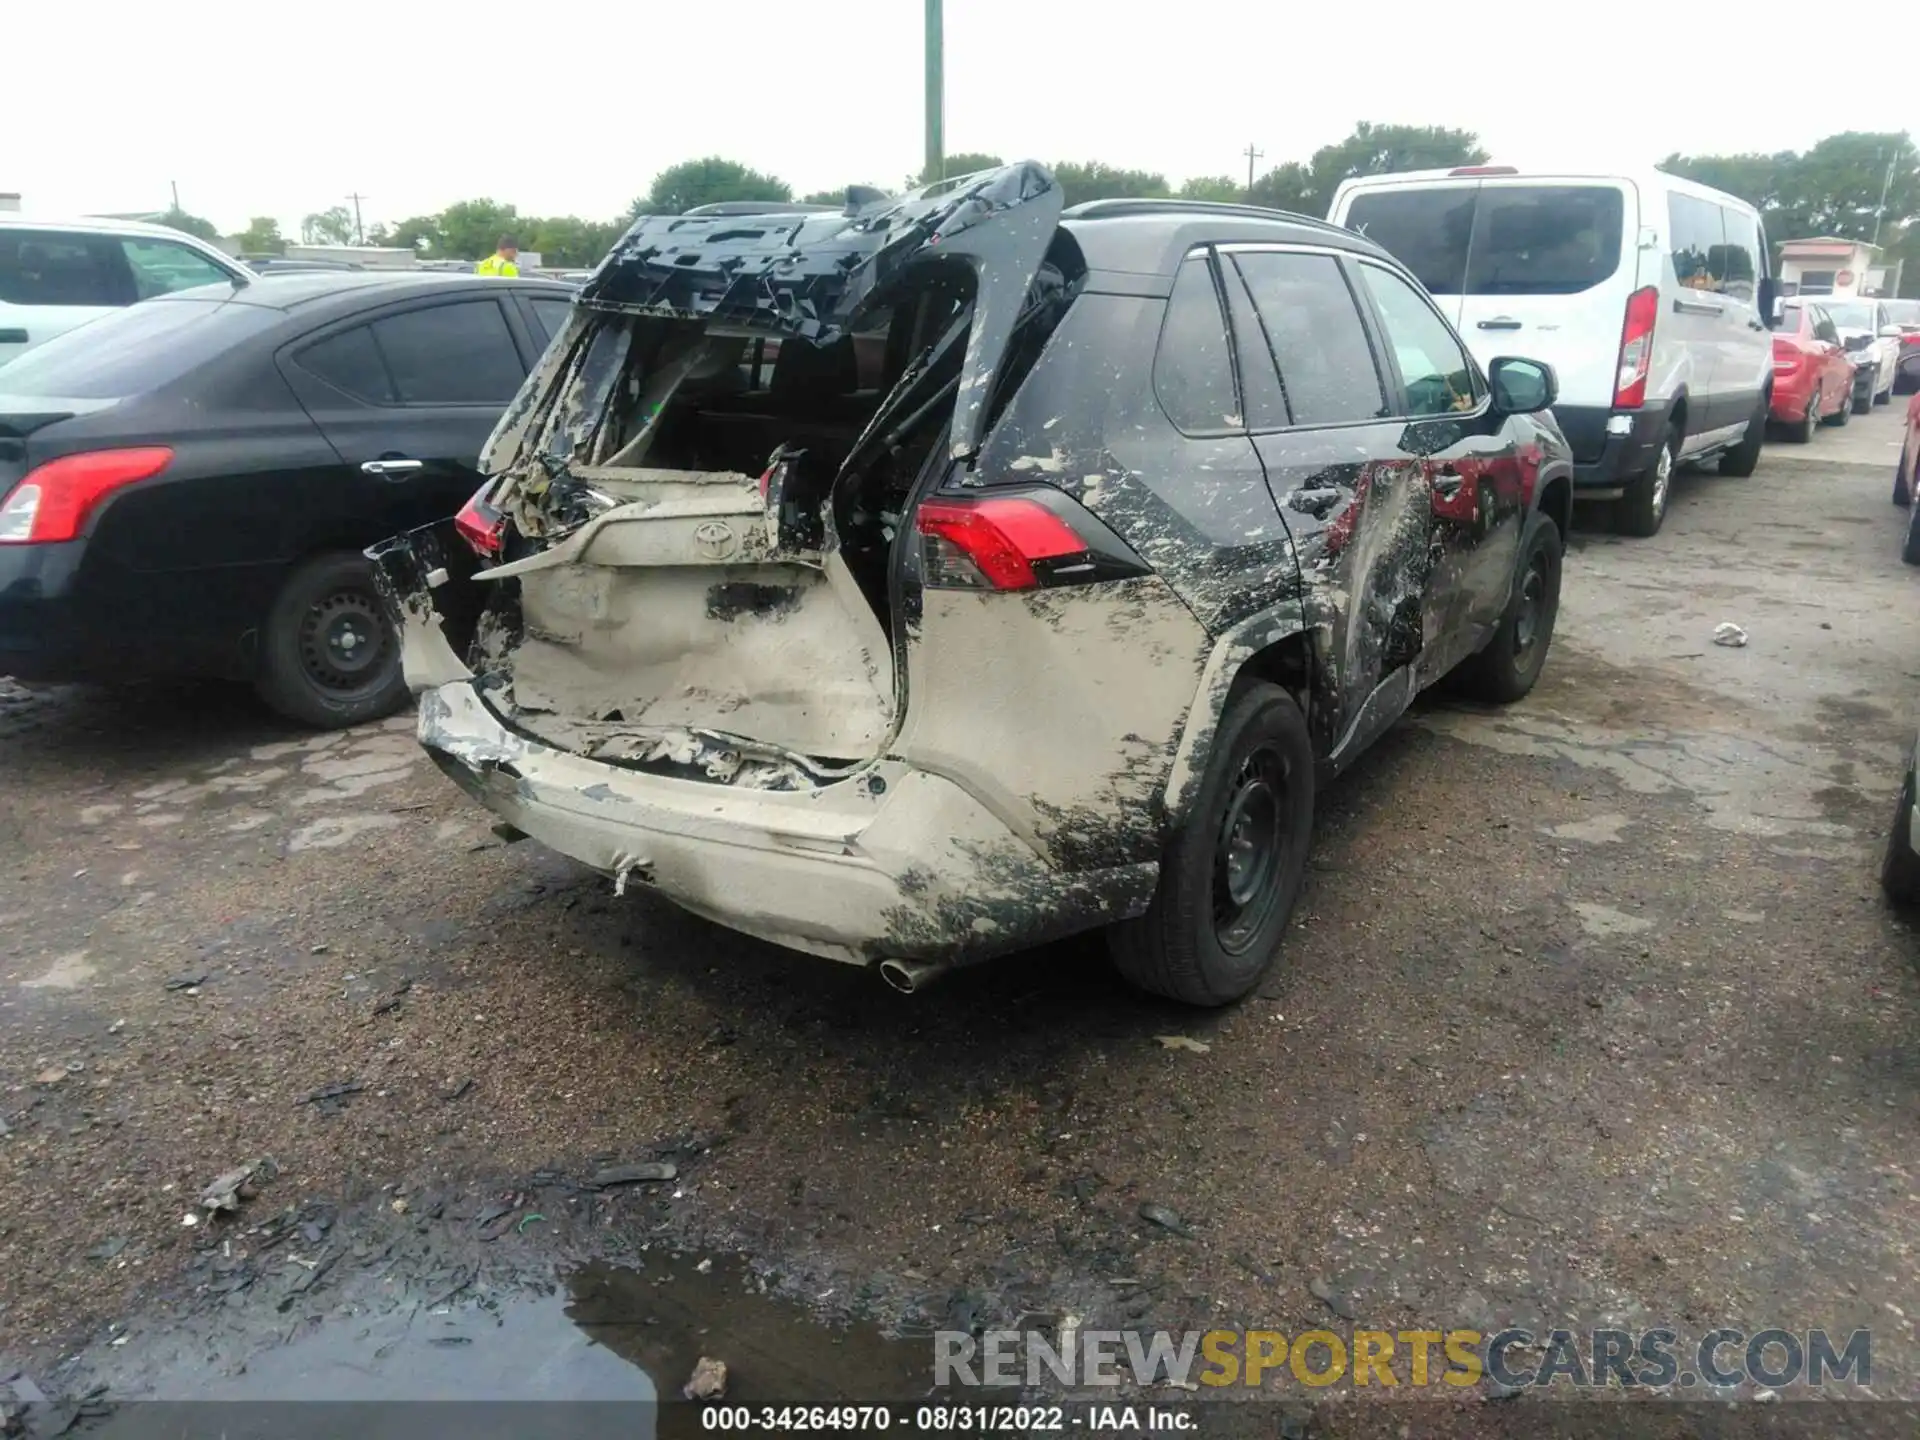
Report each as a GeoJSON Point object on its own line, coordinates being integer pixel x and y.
{"type": "Point", "coordinates": [501, 262]}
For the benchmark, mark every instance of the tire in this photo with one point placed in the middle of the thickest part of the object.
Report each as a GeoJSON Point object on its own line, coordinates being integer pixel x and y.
{"type": "Point", "coordinates": [1744, 458]}
{"type": "Point", "coordinates": [1802, 433]}
{"type": "Point", "coordinates": [1884, 396]}
{"type": "Point", "coordinates": [1641, 510]}
{"type": "Point", "coordinates": [1842, 415]}
{"type": "Point", "coordinates": [313, 668]}
{"type": "Point", "coordinates": [1213, 932]}
{"type": "Point", "coordinates": [1910, 547]}
{"type": "Point", "coordinates": [1902, 495]}
{"type": "Point", "coordinates": [1510, 664]}
{"type": "Point", "coordinates": [1899, 866]}
{"type": "Point", "coordinates": [1862, 399]}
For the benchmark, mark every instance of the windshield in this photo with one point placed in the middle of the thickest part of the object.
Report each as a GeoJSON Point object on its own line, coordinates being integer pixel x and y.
{"type": "Point", "coordinates": [1850, 314]}
{"type": "Point", "coordinates": [132, 351]}
{"type": "Point", "coordinates": [1904, 312]}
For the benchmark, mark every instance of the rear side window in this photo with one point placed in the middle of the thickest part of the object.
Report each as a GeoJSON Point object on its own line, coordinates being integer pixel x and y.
{"type": "Point", "coordinates": [1314, 330]}
{"type": "Point", "coordinates": [161, 267]}
{"type": "Point", "coordinates": [350, 362]}
{"type": "Point", "coordinates": [1824, 328]}
{"type": "Point", "coordinates": [1789, 321]}
{"type": "Point", "coordinates": [451, 354]}
{"type": "Point", "coordinates": [1743, 251]}
{"type": "Point", "coordinates": [49, 268]}
{"type": "Point", "coordinates": [1438, 376]}
{"type": "Point", "coordinates": [1192, 373]}
{"type": "Point", "coordinates": [1425, 230]}
{"type": "Point", "coordinates": [133, 350]}
{"type": "Point", "coordinates": [1698, 243]}
{"type": "Point", "coordinates": [1544, 239]}
{"type": "Point", "coordinates": [551, 313]}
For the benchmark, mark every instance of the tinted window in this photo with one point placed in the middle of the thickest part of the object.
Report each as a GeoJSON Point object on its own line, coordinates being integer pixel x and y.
{"type": "Point", "coordinates": [1425, 230]}
{"type": "Point", "coordinates": [1698, 244]}
{"type": "Point", "coordinates": [1439, 378]}
{"type": "Point", "coordinates": [133, 350]}
{"type": "Point", "coordinates": [1192, 374]}
{"type": "Point", "coordinates": [48, 268]}
{"type": "Point", "coordinates": [161, 267]}
{"type": "Point", "coordinates": [1823, 327]}
{"type": "Point", "coordinates": [1544, 239]}
{"type": "Point", "coordinates": [1788, 322]}
{"type": "Point", "coordinates": [451, 354]}
{"type": "Point", "coordinates": [350, 361]}
{"type": "Point", "coordinates": [1742, 233]}
{"type": "Point", "coordinates": [1313, 329]}
{"type": "Point", "coordinates": [551, 312]}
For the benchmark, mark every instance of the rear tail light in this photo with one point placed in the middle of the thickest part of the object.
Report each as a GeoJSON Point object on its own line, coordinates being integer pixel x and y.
{"type": "Point", "coordinates": [995, 544]}
{"type": "Point", "coordinates": [1636, 349]}
{"type": "Point", "coordinates": [56, 499]}
{"type": "Point", "coordinates": [481, 526]}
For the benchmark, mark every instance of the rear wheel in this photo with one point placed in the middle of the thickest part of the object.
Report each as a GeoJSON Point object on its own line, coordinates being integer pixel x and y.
{"type": "Point", "coordinates": [328, 656]}
{"type": "Point", "coordinates": [1862, 396]}
{"type": "Point", "coordinates": [1644, 506]}
{"type": "Point", "coordinates": [1910, 548]}
{"type": "Point", "coordinates": [1802, 433]}
{"type": "Point", "coordinates": [1231, 874]}
{"type": "Point", "coordinates": [1507, 669]}
{"type": "Point", "coordinates": [1899, 866]}
{"type": "Point", "coordinates": [1902, 494]}
{"type": "Point", "coordinates": [1842, 413]}
{"type": "Point", "coordinates": [1742, 459]}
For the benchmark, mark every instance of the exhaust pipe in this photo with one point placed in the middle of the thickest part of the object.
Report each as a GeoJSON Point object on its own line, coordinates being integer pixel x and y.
{"type": "Point", "coordinates": [910, 977]}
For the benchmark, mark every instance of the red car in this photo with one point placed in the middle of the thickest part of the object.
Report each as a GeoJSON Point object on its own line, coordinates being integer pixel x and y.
{"type": "Point", "coordinates": [1812, 374]}
{"type": "Point", "coordinates": [1904, 471]}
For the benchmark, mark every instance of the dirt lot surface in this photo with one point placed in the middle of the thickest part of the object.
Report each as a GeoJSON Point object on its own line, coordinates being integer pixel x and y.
{"type": "Point", "coordinates": [1593, 1016]}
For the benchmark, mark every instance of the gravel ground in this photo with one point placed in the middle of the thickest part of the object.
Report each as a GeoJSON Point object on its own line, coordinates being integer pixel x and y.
{"type": "Point", "coordinates": [1593, 1014]}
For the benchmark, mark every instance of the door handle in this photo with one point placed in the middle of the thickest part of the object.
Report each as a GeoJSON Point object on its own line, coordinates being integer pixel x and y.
{"type": "Point", "coordinates": [1501, 324]}
{"type": "Point", "coordinates": [1694, 307]}
{"type": "Point", "coordinates": [391, 469]}
{"type": "Point", "coordinates": [1447, 483]}
{"type": "Point", "coordinates": [13, 337]}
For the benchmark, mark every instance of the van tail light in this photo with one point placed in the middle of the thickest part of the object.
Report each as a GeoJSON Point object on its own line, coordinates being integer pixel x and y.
{"type": "Point", "coordinates": [1636, 349]}
{"type": "Point", "coordinates": [1003, 543]}
{"type": "Point", "coordinates": [481, 526]}
{"type": "Point", "coordinates": [55, 500]}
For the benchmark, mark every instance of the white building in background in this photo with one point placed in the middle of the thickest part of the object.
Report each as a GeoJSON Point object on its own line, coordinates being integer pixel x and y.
{"type": "Point", "coordinates": [1834, 266]}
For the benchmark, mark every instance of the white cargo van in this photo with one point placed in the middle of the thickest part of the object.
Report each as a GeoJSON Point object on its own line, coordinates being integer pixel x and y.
{"type": "Point", "coordinates": [1647, 294]}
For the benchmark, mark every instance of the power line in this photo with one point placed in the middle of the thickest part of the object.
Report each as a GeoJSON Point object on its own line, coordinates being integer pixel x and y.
{"type": "Point", "coordinates": [359, 235]}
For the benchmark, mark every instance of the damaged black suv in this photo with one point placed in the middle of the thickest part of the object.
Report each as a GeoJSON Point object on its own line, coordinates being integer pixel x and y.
{"type": "Point", "coordinates": [913, 584]}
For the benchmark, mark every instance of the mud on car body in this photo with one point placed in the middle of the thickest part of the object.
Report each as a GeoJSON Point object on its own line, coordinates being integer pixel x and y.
{"type": "Point", "coordinates": [1055, 563]}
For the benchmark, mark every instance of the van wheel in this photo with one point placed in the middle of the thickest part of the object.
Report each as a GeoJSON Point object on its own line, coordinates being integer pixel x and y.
{"type": "Point", "coordinates": [329, 658]}
{"type": "Point", "coordinates": [1744, 458]}
{"type": "Point", "coordinates": [1232, 872]}
{"type": "Point", "coordinates": [1644, 506]}
{"type": "Point", "coordinates": [1510, 664]}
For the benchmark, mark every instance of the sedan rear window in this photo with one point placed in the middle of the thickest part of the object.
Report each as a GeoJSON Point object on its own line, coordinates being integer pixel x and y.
{"type": "Point", "coordinates": [1497, 239]}
{"type": "Point", "coordinates": [134, 350]}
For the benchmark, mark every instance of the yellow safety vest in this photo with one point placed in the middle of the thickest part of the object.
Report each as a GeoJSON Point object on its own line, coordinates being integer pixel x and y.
{"type": "Point", "coordinates": [496, 264]}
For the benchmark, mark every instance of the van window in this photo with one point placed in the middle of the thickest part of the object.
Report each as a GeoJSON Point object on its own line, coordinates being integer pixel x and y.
{"type": "Point", "coordinates": [45, 267]}
{"type": "Point", "coordinates": [1544, 239]}
{"type": "Point", "coordinates": [1698, 243]}
{"type": "Point", "coordinates": [1743, 253]}
{"type": "Point", "coordinates": [1425, 230]}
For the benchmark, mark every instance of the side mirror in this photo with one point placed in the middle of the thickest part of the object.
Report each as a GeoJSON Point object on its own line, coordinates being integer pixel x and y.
{"type": "Point", "coordinates": [1522, 387]}
{"type": "Point", "coordinates": [1772, 293]}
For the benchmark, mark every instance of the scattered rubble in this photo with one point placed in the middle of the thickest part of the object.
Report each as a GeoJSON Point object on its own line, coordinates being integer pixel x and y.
{"type": "Point", "coordinates": [225, 1192]}
{"type": "Point", "coordinates": [708, 1381]}
{"type": "Point", "coordinates": [1169, 1220]}
{"type": "Point", "coordinates": [1183, 1042]}
{"type": "Point", "coordinates": [1730, 634]}
{"type": "Point", "coordinates": [632, 1174]}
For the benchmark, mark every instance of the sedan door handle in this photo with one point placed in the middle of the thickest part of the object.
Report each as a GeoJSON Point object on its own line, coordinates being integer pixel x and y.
{"type": "Point", "coordinates": [391, 469]}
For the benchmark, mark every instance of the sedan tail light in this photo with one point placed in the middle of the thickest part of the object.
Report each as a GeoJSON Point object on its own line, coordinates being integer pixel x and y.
{"type": "Point", "coordinates": [1636, 349]}
{"type": "Point", "coordinates": [995, 544]}
{"type": "Point", "coordinates": [55, 500]}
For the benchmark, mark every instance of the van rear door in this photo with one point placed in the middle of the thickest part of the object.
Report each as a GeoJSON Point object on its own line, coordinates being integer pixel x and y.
{"type": "Point", "coordinates": [1549, 268]}
{"type": "Point", "coordinates": [1424, 224]}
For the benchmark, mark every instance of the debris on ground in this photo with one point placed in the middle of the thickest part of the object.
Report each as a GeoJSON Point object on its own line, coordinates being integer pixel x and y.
{"type": "Point", "coordinates": [52, 1075]}
{"type": "Point", "coordinates": [391, 1000]}
{"type": "Point", "coordinates": [708, 1381]}
{"type": "Point", "coordinates": [108, 1249]}
{"type": "Point", "coordinates": [336, 1091]}
{"type": "Point", "coordinates": [633, 1174]}
{"type": "Point", "coordinates": [457, 1091]}
{"type": "Point", "coordinates": [1157, 1214]}
{"type": "Point", "coordinates": [1728, 633]}
{"type": "Point", "coordinates": [225, 1192]}
{"type": "Point", "coordinates": [1183, 1042]}
{"type": "Point", "coordinates": [187, 980]}
{"type": "Point", "coordinates": [1330, 1297]}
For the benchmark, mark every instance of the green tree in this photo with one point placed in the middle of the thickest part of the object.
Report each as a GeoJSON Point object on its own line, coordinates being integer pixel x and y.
{"type": "Point", "coordinates": [470, 229]}
{"type": "Point", "coordinates": [178, 219]}
{"type": "Point", "coordinates": [328, 227]}
{"type": "Point", "coordinates": [1094, 180]}
{"type": "Point", "coordinates": [418, 232]}
{"type": "Point", "coordinates": [262, 237]}
{"type": "Point", "coordinates": [1370, 150]}
{"type": "Point", "coordinates": [679, 188]}
{"type": "Point", "coordinates": [1223, 188]}
{"type": "Point", "coordinates": [570, 242]}
{"type": "Point", "coordinates": [965, 163]}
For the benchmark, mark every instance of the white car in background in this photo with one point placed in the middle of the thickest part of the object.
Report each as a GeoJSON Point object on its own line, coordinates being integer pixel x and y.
{"type": "Point", "coordinates": [1872, 342]}
{"type": "Point", "coordinates": [56, 274]}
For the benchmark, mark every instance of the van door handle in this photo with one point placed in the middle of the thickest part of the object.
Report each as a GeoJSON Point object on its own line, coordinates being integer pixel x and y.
{"type": "Point", "coordinates": [13, 337]}
{"type": "Point", "coordinates": [1503, 323]}
{"type": "Point", "coordinates": [391, 469]}
{"type": "Point", "coordinates": [1694, 307]}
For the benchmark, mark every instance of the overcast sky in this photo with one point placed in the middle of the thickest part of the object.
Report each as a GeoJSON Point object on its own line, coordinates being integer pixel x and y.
{"type": "Point", "coordinates": [573, 108]}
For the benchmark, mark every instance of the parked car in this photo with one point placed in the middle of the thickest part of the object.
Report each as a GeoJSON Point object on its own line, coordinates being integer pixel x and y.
{"type": "Point", "coordinates": [1906, 314]}
{"type": "Point", "coordinates": [187, 485]}
{"type": "Point", "coordinates": [1055, 623]}
{"type": "Point", "coordinates": [1812, 374]}
{"type": "Point", "coordinates": [1872, 340]}
{"type": "Point", "coordinates": [1661, 347]}
{"type": "Point", "coordinates": [1900, 861]}
{"type": "Point", "coordinates": [1905, 469]}
{"type": "Point", "coordinates": [56, 274]}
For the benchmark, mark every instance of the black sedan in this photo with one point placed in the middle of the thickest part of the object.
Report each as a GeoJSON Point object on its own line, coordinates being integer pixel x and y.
{"type": "Point", "coordinates": [186, 485]}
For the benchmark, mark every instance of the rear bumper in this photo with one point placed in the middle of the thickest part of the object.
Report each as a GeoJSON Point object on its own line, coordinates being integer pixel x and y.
{"type": "Point", "coordinates": [1610, 447]}
{"type": "Point", "coordinates": [1791, 391]}
{"type": "Point", "coordinates": [893, 863]}
{"type": "Point", "coordinates": [42, 636]}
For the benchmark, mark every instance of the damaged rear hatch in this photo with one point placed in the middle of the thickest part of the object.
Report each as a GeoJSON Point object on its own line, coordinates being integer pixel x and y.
{"type": "Point", "coordinates": [689, 544]}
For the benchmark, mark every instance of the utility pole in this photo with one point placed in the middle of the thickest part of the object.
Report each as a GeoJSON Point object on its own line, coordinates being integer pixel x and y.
{"type": "Point", "coordinates": [176, 195]}
{"type": "Point", "coordinates": [1252, 155]}
{"type": "Point", "coordinates": [936, 168]}
{"type": "Point", "coordinates": [1885, 186]}
{"type": "Point", "coordinates": [359, 235]}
